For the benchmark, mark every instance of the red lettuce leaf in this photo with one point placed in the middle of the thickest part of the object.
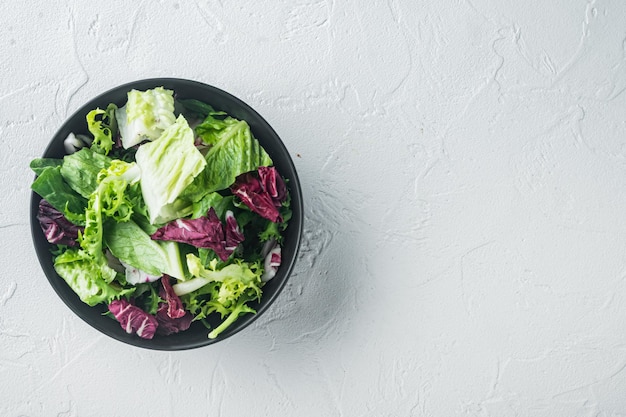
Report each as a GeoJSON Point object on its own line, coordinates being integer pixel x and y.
{"type": "Point", "coordinates": [204, 232]}
{"type": "Point", "coordinates": [133, 319]}
{"type": "Point", "coordinates": [169, 325]}
{"type": "Point", "coordinates": [171, 314]}
{"type": "Point", "coordinates": [55, 225]}
{"type": "Point", "coordinates": [174, 305]}
{"type": "Point", "coordinates": [273, 184]}
{"type": "Point", "coordinates": [262, 191]}
{"type": "Point", "coordinates": [233, 235]}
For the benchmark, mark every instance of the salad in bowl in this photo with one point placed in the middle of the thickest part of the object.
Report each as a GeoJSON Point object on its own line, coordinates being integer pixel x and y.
{"type": "Point", "coordinates": [166, 213]}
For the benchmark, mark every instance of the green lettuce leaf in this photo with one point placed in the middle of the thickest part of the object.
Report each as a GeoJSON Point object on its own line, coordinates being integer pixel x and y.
{"type": "Point", "coordinates": [232, 150]}
{"type": "Point", "coordinates": [39, 164]}
{"type": "Point", "coordinates": [145, 116]}
{"type": "Point", "coordinates": [51, 186]}
{"type": "Point", "coordinates": [225, 291]}
{"type": "Point", "coordinates": [232, 314]}
{"type": "Point", "coordinates": [132, 245]}
{"type": "Point", "coordinates": [102, 125]}
{"type": "Point", "coordinates": [147, 297]}
{"type": "Point", "coordinates": [108, 200]}
{"type": "Point", "coordinates": [199, 108]}
{"type": "Point", "coordinates": [213, 200]}
{"type": "Point", "coordinates": [85, 277]}
{"type": "Point", "coordinates": [276, 231]}
{"type": "Point", "coordinates": [168, 165]}
{"type": "Point", "coordinates": [239, 275]}
{"type": "Point", "coordinates": [80, 170]}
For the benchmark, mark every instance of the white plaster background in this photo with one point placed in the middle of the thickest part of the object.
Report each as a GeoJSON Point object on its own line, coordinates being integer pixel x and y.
{"type": "Point", "coordinates": [464, 171]}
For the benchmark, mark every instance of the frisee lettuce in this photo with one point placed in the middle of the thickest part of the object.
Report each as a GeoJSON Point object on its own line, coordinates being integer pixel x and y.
{"type": "Point", "coordinates": [102, 125]}
{"type": "Point", "coordinates": [107, 200]}
{"type": "Point", "coordinates": [225, 290]}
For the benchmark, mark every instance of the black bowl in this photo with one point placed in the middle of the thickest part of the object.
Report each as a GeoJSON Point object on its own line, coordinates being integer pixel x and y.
{"type": "Point", "coordinates": [197, 334]}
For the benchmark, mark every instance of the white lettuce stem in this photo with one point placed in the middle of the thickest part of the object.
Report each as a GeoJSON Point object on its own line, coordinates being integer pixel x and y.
{"type": "Point", "coordinates": [186, 287]}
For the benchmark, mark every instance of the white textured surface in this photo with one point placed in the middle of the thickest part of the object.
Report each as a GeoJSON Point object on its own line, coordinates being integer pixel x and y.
{"type": "Point", "coordinates": [464, 170]}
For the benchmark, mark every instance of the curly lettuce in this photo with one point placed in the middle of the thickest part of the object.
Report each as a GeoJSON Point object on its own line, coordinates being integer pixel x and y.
{"type": "Point", "coordinates": [225, 290]}
{"type": "Point", "coordinates": [102, 125]}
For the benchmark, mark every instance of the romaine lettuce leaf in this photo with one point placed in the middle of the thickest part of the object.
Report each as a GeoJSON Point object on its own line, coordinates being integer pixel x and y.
{"type": "Point", "coordinates": [232, 151]}
{"type": "Point", "coordinates": [145, 116]}
{"type": "Point", "coordinates": [168, 165]}
{"type": "Point", "coordinates": [39, 164]}
{"type": "Point", "coordinates": [213, 200]}
{"type": "Point", "coordinates": [199, 108]}
{"type": "Point", "coordinates": [87, 277]}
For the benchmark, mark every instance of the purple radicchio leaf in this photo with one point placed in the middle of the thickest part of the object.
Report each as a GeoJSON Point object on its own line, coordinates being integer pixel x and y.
{"type": "Point", "coordinates": [133, 319]}
{"type": "Point", "coordinates": [171, 315]}
{"type": "Point", "coordinates": [169, 325]}
{"type": "Point", "coordinates": [56, 227]}
{"type": "Point", "coordinates": [263, 192]}
{"type": "Point", "coordinates": [204, 232]}
{"type": "Point", "coordinates": [175, 308]}
{"type": "Point", "coordinates": [233, 235]}
{"type": "Point", "coordinates": [273, 184]}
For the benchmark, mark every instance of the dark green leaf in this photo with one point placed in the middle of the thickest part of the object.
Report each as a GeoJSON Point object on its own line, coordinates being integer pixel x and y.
{"type": "Point", "coordinates": [51, 186]}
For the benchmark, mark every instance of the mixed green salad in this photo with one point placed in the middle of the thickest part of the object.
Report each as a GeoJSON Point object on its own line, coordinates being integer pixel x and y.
{"type": "Point", "coordinates": [167, 211]}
